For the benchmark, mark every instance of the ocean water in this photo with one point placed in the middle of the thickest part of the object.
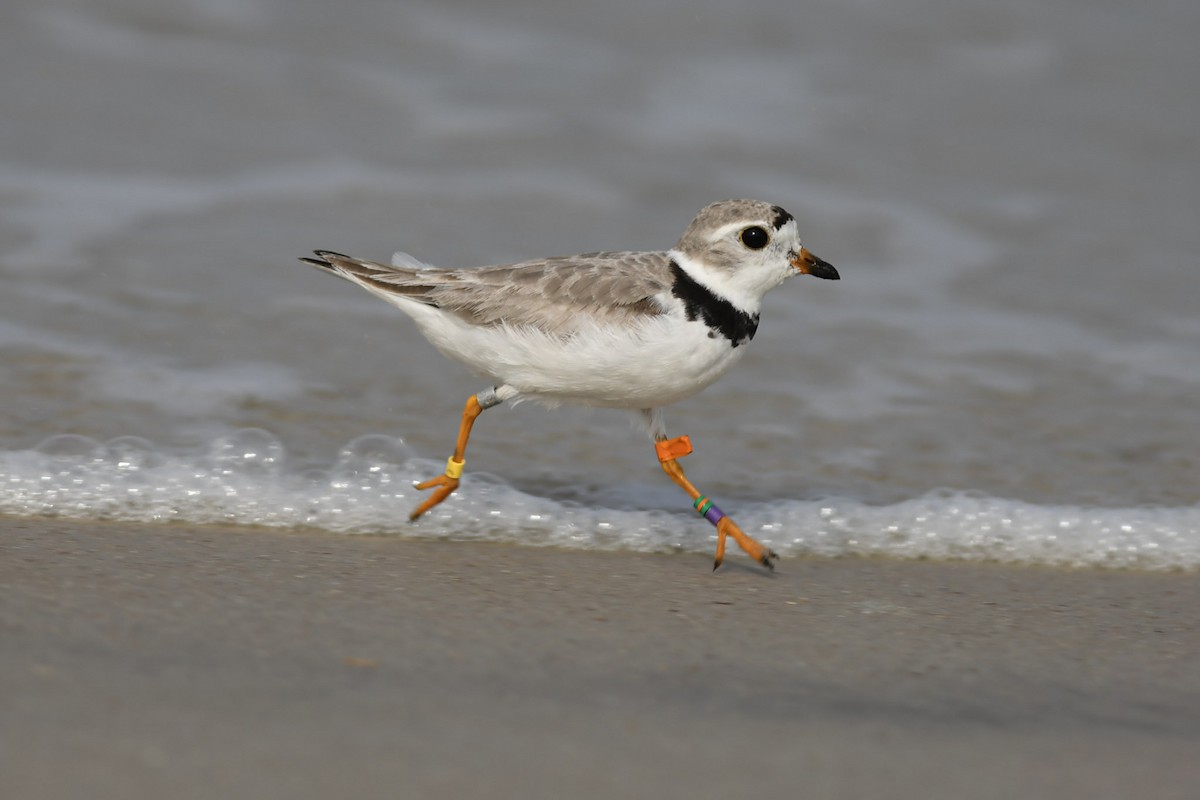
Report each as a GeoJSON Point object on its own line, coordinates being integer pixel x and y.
{"type": "Point", "coordinates": [1007, 371]}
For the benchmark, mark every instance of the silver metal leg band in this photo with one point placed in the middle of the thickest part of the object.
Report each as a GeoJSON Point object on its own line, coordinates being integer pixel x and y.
{"type": "Point", "coordinates": [488, 398]}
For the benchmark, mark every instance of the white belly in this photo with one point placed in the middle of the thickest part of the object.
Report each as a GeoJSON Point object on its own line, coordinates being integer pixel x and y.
{"type": "Point", "coordinates": [660, 361]}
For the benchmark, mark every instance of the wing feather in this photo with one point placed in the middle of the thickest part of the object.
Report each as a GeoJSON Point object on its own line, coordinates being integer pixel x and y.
{"type": "Point", "coordinates": [556, 295]}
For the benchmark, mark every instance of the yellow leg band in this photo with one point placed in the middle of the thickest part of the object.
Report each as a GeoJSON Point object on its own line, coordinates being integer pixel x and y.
{"type": "Point", "coordinates": [454, 468]}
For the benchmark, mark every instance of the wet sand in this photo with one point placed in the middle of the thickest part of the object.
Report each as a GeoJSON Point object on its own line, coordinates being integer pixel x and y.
{"type": "Point", "coordinates": [190, 662]}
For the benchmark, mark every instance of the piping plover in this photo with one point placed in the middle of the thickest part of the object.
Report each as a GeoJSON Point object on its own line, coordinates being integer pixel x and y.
{"type": "Point", "coordinates": [621, 330]}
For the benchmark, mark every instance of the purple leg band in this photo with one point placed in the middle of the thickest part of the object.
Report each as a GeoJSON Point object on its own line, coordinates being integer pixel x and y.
{"type": "Point", "coordinates": [708, 509]}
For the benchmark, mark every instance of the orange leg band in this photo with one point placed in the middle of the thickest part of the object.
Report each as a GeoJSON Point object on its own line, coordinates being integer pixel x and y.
{"type": "Point", "coordinates": [670, 449]}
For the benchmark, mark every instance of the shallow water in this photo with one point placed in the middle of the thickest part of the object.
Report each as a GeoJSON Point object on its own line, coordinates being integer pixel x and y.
{"type": "Point", "coordinates": [1007, 369]}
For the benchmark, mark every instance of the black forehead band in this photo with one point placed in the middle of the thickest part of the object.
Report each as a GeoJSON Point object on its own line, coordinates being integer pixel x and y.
{"type": "Point", "coordinates": [781, 217]}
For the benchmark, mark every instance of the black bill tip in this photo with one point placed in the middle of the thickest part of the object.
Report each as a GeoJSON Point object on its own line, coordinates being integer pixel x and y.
{"type": "Point", "coordinates": [824, 270]}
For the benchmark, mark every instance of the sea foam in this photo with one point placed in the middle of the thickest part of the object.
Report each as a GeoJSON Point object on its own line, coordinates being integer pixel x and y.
{"type": "Point", "coordinates": [243, 479]}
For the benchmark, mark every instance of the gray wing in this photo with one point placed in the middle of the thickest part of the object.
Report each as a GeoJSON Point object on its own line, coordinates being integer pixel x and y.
{"type": "Point", "coordinates": [555, 294]}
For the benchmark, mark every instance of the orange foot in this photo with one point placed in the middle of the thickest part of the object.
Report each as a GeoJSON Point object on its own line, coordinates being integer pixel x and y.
{"type": "Point", "coordinates": [446, 483]}
{"type": "Point", "coordinates": [760, 553]}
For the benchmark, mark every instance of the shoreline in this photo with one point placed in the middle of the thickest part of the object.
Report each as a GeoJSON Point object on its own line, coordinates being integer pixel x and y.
{"type": "Point", "coordinates": [189, 660]}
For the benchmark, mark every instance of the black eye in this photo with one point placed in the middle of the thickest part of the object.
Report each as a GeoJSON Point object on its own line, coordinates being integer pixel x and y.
{"type": "Point", "coordinates": [755, 238]}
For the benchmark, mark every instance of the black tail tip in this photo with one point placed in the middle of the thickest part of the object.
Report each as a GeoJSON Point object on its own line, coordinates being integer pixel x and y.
{"type": "Point", "coordinates": [324, 258]}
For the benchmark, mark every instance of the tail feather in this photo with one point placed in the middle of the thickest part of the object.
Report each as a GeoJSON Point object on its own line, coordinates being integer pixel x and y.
{"type": "Point", "coordinates": [329, 260]}
{"type": "Point", "coordinates": [386, 281]}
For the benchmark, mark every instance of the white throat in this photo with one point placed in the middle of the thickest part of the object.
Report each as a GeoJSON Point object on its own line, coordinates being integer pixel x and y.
{"type": "Point", "coordinates": [718, 282]}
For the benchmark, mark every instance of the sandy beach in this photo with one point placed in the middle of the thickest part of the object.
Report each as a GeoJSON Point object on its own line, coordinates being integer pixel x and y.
{"type": "Point", "coordinates": [163, 661]}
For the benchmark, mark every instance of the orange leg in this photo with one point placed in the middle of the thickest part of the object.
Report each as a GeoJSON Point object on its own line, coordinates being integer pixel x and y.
{"type": "Point", "coordinates": [447, 482]}
{"type": "Point", "coordinates": [671, 449]}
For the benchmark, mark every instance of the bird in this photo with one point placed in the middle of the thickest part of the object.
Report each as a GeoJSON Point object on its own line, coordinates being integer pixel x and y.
{"type": "Point", "coordinates": [627, 330]}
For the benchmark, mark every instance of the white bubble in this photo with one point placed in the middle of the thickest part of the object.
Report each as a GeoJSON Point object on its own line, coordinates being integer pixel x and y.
{"type": "Point", "coordinates": [371, 455]}
{"type": "Point", "coordinates": [132, 453]}
{"type": "Point", "coordinates": [249, 451]}
{"type": "Point", "coordinates": [70, 447]}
